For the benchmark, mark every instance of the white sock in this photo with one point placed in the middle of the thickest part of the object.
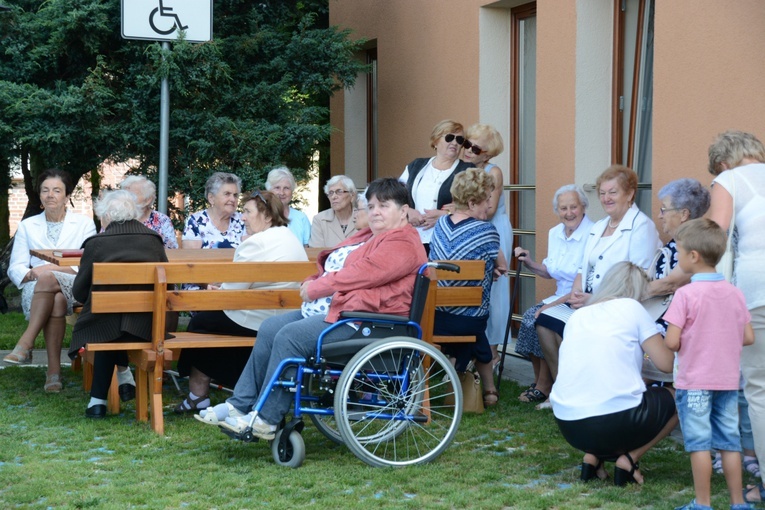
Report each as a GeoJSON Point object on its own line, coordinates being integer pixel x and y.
{"type": "Point", "coordinates": [96, 402]}
{"type": "Point", "coordinates": [125, 376]}
{"type": "Point", "coordinates": [203, 404]}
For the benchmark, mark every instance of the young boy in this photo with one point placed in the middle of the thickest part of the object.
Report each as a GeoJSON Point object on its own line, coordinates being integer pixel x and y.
{"type": "Point", "coordinates": [708, 323]}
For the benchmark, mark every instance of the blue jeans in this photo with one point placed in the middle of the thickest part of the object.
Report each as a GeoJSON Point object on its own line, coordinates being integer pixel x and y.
{"type": "Point", "coordinates": [709, 419]}
{"type": "Point", "coordinates": [280, 337]}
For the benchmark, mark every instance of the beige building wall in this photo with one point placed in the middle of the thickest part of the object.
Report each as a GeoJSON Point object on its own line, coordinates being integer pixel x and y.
{"type": "Point", "coordinates": [450, 59]}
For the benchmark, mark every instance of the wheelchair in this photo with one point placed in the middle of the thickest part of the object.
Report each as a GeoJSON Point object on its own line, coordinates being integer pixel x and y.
{"type": "Point", "coordinates": [391, 398]}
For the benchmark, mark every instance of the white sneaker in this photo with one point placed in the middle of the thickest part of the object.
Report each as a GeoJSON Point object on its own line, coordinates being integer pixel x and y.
{"type": "Point", "coordinates": [216, 415]}
{"type": "Point", "coordinates": [260, 428]}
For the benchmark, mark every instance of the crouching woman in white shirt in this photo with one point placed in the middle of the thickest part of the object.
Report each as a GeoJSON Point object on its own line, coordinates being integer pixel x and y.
{"type": "Point", "coordinates": [599, 399]}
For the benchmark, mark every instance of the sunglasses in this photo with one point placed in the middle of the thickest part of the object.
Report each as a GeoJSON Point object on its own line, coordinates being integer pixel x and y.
{"type": "Point", "coordinates": [473, 148]}
{"type": "Point", "coordinates": [460, 139]}
{"type": "Point", "coordinates": [256, 194]}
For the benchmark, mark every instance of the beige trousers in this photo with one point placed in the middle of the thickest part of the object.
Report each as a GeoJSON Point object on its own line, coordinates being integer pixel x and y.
{"type": "Point", "coordinates": [753, 368]}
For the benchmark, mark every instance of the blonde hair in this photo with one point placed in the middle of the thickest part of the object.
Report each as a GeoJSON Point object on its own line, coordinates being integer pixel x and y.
{"type": "Point", "coordinates": [471, 185]}
{"type": "Point", "coordinates": [703, 236]}
{"type": "Point", "coordinates": [494, 145]}
{"type": "Point", "coordinates": [623, 280]}
{"type": "Point", "coordinates": [731, 148]}
{"type": "Point", "coordinates": [443, 128]}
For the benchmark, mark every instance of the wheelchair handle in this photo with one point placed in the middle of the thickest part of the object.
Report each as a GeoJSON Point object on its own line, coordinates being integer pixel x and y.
{"type": "Point", "coordinates": [446, 266]}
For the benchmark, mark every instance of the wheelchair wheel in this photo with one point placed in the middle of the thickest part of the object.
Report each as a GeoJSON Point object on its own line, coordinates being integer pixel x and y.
{"type": "Point", "coordinates": [398, 402]}
{"type": "Point", "coordinates": [293, 454]}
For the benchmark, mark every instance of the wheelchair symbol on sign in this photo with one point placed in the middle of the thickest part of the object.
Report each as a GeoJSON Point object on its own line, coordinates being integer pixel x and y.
{"type": "Point", "coordinates": [165, 12]}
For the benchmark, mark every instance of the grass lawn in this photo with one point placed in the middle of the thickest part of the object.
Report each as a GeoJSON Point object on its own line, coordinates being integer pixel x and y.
{"type": "Point", "coordinates": [512, 456]}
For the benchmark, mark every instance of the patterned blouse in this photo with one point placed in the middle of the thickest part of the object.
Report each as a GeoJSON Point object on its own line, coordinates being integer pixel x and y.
{"type": "Point", "coordinates": [470, 239]}
{"type": "Point", "coordinates": [200, 227]}
{"type": "Point", "coordinates": [162, 225]}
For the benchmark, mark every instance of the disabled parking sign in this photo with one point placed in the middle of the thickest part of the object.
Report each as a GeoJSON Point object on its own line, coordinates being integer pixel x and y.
{"type": "Point", "coordinates": [162, 20]}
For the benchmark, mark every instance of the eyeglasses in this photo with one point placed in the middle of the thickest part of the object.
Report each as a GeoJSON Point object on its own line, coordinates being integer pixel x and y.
{"type": "Point", "coordinates": [460, 139]}
{"type": "Point", "coordinates": [663, 210]}
{"type": "Point", "coordinates": [473, 147]}
{"type": "Point", "coordinates": [338, 192]}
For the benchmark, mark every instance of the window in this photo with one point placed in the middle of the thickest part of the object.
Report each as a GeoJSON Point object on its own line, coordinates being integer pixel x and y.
{"type": "Point", "coordinates": [633, 91]}
{"type": "Point", "coordinates": [522, 185]}
{"type": "Point", "coordinates": [372, 168]}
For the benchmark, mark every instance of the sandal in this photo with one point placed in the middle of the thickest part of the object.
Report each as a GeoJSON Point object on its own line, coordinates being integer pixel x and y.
{"type": "Point", "coordinates": [19, 356]}
{"type": "Point", "coordinates": [524, 392]}
{"type": "Point", "coordinates": [190, 406]}
{"type": "Point", "coordinates": [589, 471]}
{"type": "Point", "coordinates": [759, 488]}
{"type": "Point", "coordinates": [53, 383]}
{"type": "Point", "coordinates": [717, 464]}
{"type": "Point", "coordinates": [752, 466]}
{"type": "Point", "coordinates": [622, 477]}
{"type": "Point", "coordinates": [490, 393]}
{"type": "Point", "coordinates": [533, 396]}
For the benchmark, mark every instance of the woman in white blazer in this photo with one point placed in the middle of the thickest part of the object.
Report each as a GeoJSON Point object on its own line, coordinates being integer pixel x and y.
{"type": "Point", "coordinates": [46, 289]}
{"type": "Point", "coordinates": [625, 234]}
{"type": "Point", "coordinates": [270, 240]}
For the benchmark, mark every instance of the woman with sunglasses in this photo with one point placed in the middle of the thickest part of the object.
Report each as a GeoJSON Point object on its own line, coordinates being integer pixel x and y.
{"type": "Point", "coordinates": [483, 143]}
{"type": "Point", "coordinates": [428, 180]}
{"type": "Point", "coordinates": [269, 240]}
{"type": "Point", "coordinates": [334, 225]}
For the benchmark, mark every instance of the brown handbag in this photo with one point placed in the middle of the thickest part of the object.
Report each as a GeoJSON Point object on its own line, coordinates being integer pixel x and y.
{"type": "Point", "coordinates": [472, 396]}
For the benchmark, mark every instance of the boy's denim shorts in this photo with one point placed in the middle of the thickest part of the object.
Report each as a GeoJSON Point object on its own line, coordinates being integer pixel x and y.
{"type": "Point", "coordinates": [709, 419]}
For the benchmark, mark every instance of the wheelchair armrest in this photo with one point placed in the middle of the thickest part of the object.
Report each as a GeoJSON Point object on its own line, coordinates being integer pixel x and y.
{"type": "Point", "coordinates": [373, 316]}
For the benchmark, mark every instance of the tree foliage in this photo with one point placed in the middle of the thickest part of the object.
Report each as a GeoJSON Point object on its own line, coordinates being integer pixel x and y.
{"type": "Point", "coordinates": [73, 93]}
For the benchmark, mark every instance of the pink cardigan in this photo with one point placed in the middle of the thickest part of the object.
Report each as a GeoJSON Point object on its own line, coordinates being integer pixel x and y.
{"type": "Point", "coordinates": [377, 277]}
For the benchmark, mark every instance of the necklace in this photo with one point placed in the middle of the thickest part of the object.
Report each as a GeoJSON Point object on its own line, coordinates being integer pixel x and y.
{"type": "Point", "coordinates": [612, 226]}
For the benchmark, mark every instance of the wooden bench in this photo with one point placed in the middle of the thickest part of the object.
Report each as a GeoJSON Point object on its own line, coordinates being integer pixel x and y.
{"type": "Point", "coordinates": [160, 300]}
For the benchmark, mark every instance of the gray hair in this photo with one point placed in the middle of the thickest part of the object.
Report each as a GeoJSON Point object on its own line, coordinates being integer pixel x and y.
{"type": "Point", "coordinates": [623, 280]}
{"type": "Point", "coordinates": [583, 200]}
{"type": "Point", "coordinates": [345, 181]}
{"type": "Point", "coordinates": [279, 174]}
{"type": "Point", "coordinates": [148, 191]}
{"type": "Point", "coordinates": [687, 194]}
{"type": "Point", "coordinates": [218, 179]}
{"type": "Point", "coordinates": [116, 206]}
{"type": "Point", "coordinates": [361, 200]}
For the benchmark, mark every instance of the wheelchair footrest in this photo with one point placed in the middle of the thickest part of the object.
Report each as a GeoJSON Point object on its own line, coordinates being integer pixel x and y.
{"type": "Point", "coordinates": [246, 436]}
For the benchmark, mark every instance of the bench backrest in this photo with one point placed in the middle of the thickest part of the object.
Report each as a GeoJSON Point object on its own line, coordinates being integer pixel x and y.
{"type": "Point", "coordinates": [162, 275]}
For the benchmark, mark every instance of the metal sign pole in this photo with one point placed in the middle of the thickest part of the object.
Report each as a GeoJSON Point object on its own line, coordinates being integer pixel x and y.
{"type": "Point", "coordinates": [164, 136]}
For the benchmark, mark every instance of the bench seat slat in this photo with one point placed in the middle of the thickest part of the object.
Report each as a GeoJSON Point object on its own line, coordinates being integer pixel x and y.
{"type": "Point", "coordinates": [196, 340]}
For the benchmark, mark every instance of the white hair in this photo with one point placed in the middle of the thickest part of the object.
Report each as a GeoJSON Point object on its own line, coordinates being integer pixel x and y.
{"type": "Point", "coordinates": [280, 173]}
{"type": "Point", "coordinates": [116, 206]}
{"type": "Point", "coordinates": [345, 181]}
{"type": "Point", "coordinates": [148, 191]}
{"type": "Point", "coordinates": [585, 203]}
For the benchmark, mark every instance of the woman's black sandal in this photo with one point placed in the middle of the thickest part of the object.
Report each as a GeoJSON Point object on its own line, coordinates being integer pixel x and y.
{"type": "Point", "coordinates": [532, 396]}
{"type": "Point", "coordinates": [622, 477]}
{"type": "Point", "coordinates": [589, 471]}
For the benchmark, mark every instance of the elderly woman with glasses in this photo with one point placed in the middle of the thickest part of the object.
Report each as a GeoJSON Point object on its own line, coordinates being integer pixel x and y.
{"type": "Point", "coordinates": [429, 180]}
{"type": "Point", "coordinates": [281, 183]}
{"type": "Point", "coordinates": [269, 241]}
{"type": "Point", "coordinates": [333, 226]}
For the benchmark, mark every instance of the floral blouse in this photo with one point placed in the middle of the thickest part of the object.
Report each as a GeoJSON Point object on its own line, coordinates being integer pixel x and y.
{"type": "Point", "coordinates": [163, 226]}
{"type": "Point", "coordinates": [200, 227]}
